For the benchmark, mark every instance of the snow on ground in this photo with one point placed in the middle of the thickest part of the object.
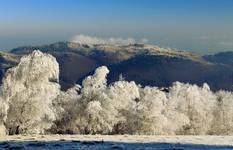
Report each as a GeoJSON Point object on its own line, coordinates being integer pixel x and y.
{"type": "Point", "coordinates": [60, 142]}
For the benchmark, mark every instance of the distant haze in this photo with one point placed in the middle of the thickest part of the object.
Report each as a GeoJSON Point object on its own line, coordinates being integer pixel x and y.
{"type": "Point", "coordinates": [201, 26]}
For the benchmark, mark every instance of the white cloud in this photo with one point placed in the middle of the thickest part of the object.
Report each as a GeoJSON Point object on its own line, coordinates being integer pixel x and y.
{"type": "Point", "coordinates": [85, 39]}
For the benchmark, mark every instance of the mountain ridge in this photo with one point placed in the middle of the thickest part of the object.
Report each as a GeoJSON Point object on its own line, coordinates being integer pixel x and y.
{"type": "Point", "coordinates": [152, 65]}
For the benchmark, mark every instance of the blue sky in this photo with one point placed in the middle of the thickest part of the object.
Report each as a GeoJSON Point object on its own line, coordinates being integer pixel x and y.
{"type": "Point", "coordinates": [202, 26]}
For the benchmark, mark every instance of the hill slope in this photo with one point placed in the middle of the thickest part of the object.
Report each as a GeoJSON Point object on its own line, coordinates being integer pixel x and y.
{"type": "Point", "coordinates": [223, 58]}
{"type": "Point", "coordinates": [145, 64]}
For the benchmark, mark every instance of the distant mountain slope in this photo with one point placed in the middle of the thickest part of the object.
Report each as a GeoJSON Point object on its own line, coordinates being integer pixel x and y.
{"type": "Point", "coordinates": [145, 64]}
{"type": "Point", "coordinates": [73, 67]}
{"type": "Point", "coordinates": [223, 58]}
{"type": "Point", "coordinates": [7, 60]}
{"type": "Point", "coordinates": [163, 71]}
{"type": "Point", "coordinates": [109, 53]}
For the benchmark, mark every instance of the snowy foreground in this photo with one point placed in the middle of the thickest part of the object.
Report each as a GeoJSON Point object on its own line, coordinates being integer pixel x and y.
{"type": "Point", "coordinates": [115, 142]}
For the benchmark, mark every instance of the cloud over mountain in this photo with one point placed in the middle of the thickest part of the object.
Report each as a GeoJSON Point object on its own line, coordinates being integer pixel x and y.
{"type": "Point", "coordinates": [85, 39]}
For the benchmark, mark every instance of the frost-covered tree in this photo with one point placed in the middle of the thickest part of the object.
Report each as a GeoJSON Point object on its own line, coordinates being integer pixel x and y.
{"type": "Point", "coordinates": [123, 95]}
{"type": "Point", "coordinates": [223, 114]}
{"type": "Point", "coordinates": [93, 110]}
{"type": "Point", "coordinates": [30, 88]}
{"type": "Point", "coordinates": [93, 117]}
{"type": "Point", "coordinates": [150, 110]}
{"type": "Point", "coordinates": [66, 106]}
{"type": "Point", "coordinates": [3, 115]}
{"type": "Point", "coordinates": [144, 114]}
{"type": "Point", "coordinates": [127, 108]}
{"type": "Point", "coordinates": [194, 102]}
{"type": "Point", "coordinates": [31, 102]}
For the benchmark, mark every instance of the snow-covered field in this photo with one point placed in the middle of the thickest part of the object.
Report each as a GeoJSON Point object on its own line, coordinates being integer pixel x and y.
{"type": "Point", "coordinates": [115, 142]}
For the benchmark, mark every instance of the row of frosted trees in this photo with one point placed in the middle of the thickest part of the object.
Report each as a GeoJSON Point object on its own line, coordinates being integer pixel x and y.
{"type": "Point", "coordinates": [32, 103]}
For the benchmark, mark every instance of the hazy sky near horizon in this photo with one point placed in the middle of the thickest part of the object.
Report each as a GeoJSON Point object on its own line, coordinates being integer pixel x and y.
{"type": "Point", "coordinates": [202, 26]}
